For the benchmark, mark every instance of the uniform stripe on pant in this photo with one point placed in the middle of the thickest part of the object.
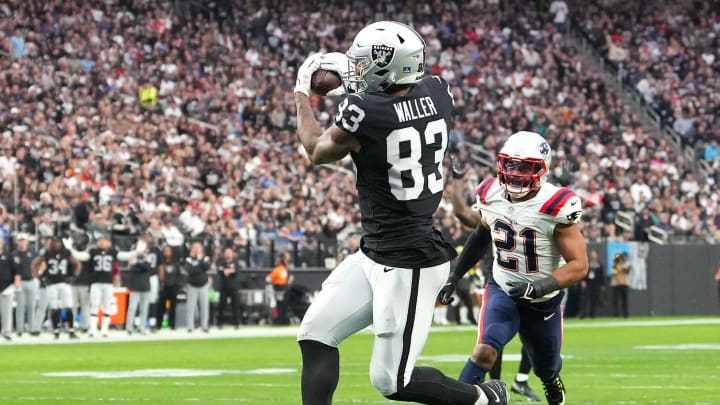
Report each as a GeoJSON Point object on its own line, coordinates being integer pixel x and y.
{"type": "Point", "coordinates": [407, 334]}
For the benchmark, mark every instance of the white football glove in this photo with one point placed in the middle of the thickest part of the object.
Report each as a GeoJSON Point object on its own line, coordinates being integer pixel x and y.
{"type": "Point", "coordinates": [305, 72]}
{"type": "Point", "coordinates": [339, 63]}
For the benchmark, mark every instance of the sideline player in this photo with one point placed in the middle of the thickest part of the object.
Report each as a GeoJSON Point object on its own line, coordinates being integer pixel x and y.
{"type": "Point", "coordinates": [395, 127]}
{"type": "Point", "coordinates": [57, 268]}
{"type": "Point", "coordinates": [539, 250]}
{"type": "Point", "coordinates": [103, 261]}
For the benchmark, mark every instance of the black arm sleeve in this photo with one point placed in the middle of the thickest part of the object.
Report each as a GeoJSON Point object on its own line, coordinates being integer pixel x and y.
{"type": "Point", "coordinates": [475, 247]}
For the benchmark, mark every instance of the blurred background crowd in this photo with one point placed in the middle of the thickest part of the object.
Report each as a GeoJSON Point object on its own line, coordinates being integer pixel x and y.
{"type": "Point", "coordinates": [177, 118]}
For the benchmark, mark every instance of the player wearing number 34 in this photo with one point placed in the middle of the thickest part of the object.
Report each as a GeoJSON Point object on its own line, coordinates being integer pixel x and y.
{"type": "Point", "coordinates": [539, 250]}
{"type": "Point", "coordinates": [393, 122]}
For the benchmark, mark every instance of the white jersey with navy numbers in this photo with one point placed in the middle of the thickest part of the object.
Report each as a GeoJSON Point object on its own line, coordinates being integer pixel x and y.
{"type": "Point", "coordinates": [523, 232]}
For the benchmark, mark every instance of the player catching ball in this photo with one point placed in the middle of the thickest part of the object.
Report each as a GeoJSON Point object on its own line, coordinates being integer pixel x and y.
{"type": "Point", "coordinates": [394, 124]}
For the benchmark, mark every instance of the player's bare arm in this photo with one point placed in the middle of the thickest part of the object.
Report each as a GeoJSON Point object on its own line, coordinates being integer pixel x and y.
{"type": "Point", "coordinates": [322, 147]}
{"type": "Point", "coordinates": [572, 247]}
{"type": "Point", "coordinates": [571, 244]}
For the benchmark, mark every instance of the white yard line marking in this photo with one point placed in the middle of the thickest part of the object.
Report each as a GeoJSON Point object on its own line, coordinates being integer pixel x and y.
{"type": "Point", "coordinates": [155, 400]}
{"type": "Point", "coordinates": [686, 346]}
{"type": "Point", "coordinates": [290, 331]}
{"type": "Point", "coordinates": [165, 373]}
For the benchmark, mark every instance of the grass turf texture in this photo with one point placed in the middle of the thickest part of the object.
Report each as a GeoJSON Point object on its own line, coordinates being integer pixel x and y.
{"type": "Point", "coordinates": [603, 366]}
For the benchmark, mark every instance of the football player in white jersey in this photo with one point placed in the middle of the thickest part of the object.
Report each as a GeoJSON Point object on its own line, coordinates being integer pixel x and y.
{"type": "Point", "coordinates": [539, 251]}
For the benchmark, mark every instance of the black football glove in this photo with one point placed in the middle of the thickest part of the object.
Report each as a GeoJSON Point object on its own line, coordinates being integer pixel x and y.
{"type": "Point", "coordinates": [522, 291]}
{"type": "Point", "coordinates": [458, 172]}
{"type": "Point", "coordinates": [446, 293]}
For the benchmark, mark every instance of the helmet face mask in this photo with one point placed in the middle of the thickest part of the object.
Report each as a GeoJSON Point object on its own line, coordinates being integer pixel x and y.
{"type": "Point", "coordinates": [520, 176]}
{"type": "Point", "coordinates": [384, 54]}
{"type": "Point", "coordinates": [523, 163]}
{"type": "Point", "coordinates": [353, 80]}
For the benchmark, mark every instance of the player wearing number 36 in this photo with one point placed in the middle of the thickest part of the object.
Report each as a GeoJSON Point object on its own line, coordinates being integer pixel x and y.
{"type": "Point", "coordinates": [539, 250]}
{"type": "Point", "coordinates": [393, 122]}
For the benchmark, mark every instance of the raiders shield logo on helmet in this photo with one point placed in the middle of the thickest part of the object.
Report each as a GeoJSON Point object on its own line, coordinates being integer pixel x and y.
{"type": "Point", "coordinates": [382, 55]}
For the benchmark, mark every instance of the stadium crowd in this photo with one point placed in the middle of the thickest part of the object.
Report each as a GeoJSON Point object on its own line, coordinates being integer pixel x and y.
{"type": "Point", "coordinates": [669, 55]}
{"type": "Point", "coordinates": [133, 116]}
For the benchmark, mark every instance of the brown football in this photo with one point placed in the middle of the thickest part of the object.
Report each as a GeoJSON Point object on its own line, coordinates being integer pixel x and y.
{"type": "Point", "coordinates": [323, 81]}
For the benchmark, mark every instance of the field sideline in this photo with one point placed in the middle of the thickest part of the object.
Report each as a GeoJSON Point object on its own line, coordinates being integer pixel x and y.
{"type": "Point", "coordinates": [638, 361]}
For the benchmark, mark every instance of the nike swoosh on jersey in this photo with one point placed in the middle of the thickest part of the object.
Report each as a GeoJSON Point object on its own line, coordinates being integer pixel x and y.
{"type": "Point", "coordinates": [386, 269]}
{"type": "Point", "coordinates": [548, 317]}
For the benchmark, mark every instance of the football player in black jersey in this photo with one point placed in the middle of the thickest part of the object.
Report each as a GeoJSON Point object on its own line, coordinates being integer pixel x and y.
{"type": "Point", "coordinates": [81, 284]}
{"type": "Point", "coordinates": [58, 268]}
{"type": "Point", "coordinates": [394, 123]}
{"type": "Point", "coordinates": [102, 260]}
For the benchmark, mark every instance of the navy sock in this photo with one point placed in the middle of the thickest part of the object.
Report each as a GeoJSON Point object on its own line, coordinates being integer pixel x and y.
{"type": "Point", "coordinates": [472, 373]}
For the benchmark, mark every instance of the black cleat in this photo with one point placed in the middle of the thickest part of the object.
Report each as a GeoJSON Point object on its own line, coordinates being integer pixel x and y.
{"type": "Point", "coordinates": [57, 335]}
{"type": "Point", "coordinates": [495, 391]}
{"type": "Point", "coordinates": [522, 388]}
{"type": "Point", "coordinates": [73, 335]}
{"type": "Point", "coordinates": [554, 391]}
{"type": "Point", "coordinates": [7, 337]}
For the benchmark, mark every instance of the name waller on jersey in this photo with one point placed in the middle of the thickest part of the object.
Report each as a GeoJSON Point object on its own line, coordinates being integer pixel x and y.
{"type": "Point", "coordinates": [415, 109]}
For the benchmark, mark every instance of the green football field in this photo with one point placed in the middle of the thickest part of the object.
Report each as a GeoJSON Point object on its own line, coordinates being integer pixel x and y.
{"type": "Point", "coordinates": [641, 361]}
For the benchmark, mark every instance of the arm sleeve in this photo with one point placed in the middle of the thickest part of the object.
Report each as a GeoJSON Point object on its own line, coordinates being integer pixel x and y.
{"type": "Point", "coordinates": [125, 256]}
{"type": "Point", "coordinates": [475, 247]}
{"type": "Point", "coordinates": [80, 256]}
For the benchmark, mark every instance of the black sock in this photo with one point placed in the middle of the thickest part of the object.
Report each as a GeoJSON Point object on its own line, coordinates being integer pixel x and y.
{"type": "Point", "coordinates": [55, 319]}
{"type": "Point", "coordinates": [430, 386]}
{"type": "Point", "coordinates": [71, 318]}
{"type": "Point", "coordinates": [525, 364]}
{"type": "Point", "coordinates": [496, 369]}
{"type": "Point", "coordinates": [320, 373]}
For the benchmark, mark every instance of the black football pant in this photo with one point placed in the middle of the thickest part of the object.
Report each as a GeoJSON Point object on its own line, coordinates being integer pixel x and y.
{"type": "Point", "coordinates": [168, 298]}
{"type": "Point", "coordinates": [620, 301]}
{"type": "Point", "coordinates": [229, 296]}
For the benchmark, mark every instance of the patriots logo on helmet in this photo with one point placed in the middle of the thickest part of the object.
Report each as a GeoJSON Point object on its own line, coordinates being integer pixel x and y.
{"type": "Point", "coordinates": [382, 55]}
{"type": "Point", "coordinates": [544, 148]}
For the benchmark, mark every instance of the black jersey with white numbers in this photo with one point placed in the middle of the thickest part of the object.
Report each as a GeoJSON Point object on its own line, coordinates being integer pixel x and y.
{"type": "Point", "coordinates": [101, 264]}
{"type": "Point", "coordinates": [399, 170]}
{"type": "Point", "coordinates": [152, 257]}
{"type": "Point", "coordinates": [59, 268]}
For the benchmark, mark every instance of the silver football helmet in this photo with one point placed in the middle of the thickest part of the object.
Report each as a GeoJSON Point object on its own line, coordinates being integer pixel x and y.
{"type": "Point", "coordinates": [383, 54]}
